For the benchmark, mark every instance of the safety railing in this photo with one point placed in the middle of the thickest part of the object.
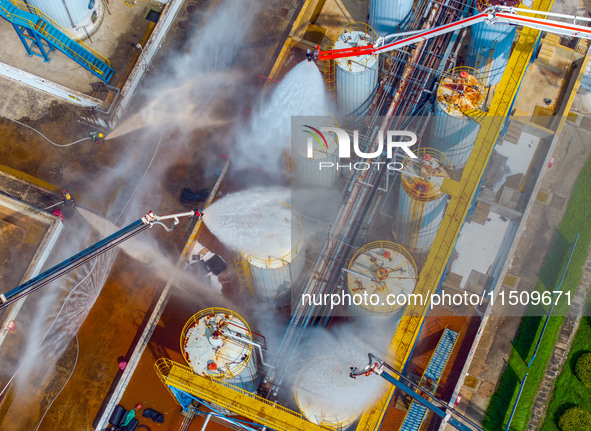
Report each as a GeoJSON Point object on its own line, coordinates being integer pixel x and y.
{"type": "Point", "coordinates": [274, 262]}
{"type": "Point", "coordinates": [37, 26]}
{"type": "Point", "coordinates": [420, 189]}
{"type": "Point", "coordinates": [28, 8]}
{"type": "Point", "coordinates": [328, 69]}
{"type": "Point", "coordinates": [231, 318]}
{"type": "Point", "coordinates": [244, 274]}
{"type": "Point", "coordinates": [361, 35]}
{"type": "Point", "coordinates": [287, 258]}
{"type": "Point", "coordinates": [388, 247]}
{"type": "Point", "coordinates": [232, 397]}
{"type": "Point", "coordinates": [458, 207]}
{"type": "Point", "coordinates": [462, 88]}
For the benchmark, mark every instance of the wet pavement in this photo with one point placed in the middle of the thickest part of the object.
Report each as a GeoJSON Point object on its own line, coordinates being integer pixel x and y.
{"type": "Point", "coordinates": [465, 324]}
{"type": "Point", "coordinates": [120, 179]}
{"type": "Point", "coordinates": [495, 345]}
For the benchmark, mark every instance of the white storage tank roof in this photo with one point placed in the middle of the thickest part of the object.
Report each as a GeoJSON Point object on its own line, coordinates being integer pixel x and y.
{"type": "Point", "coordinates": [79, 17]}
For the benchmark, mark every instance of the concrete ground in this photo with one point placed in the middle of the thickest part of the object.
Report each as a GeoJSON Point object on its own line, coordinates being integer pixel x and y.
{"type": "Point", "coordinates": [21, 101]}
{"type": "Point", "coordinates": [145, 387]}
{"type": "Point", "coordinates": [22, 233]}
{"type": "Point", "coordinates": [495, 345]}
{"type": "Point", "coordinates": [436, 322]}
{"type": "Point", "coordinates": [544, 79]}
{"type": "Point", "coordinates": [128, 175]}
{"type": "Point", "coordinates": [335, 14]}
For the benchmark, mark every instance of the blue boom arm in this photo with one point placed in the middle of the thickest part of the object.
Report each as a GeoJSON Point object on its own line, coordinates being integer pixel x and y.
{"type": "Point", "coordinates": [378, 366]}
{"type": "Point", "coordinates": [85, 255]}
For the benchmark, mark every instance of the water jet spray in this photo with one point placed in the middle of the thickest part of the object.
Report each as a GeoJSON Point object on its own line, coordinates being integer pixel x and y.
{"type": "Point", "coordinates": [94, 250]}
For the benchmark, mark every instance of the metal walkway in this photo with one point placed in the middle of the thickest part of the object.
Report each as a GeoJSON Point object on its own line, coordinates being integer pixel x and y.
{"type": "Point", "coordinates": [177, 377]}
{"type": "Point", "coordinates": [414, 417]}
{"type": "Point", "coordinates": [278, 417]}
{"type": "Point", "coordinates": [40, 35]}
{"type": "Point", "coordinates": [458, 208]}
{"type": "Point", "coordinates": [440, 357]}
{"type": "Point", "coordinates": [430, 381]}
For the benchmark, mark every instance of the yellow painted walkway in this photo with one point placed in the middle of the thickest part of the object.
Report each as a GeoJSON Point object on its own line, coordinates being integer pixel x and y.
{"type": "Point", "coordinates": [230, 397]}
{"type": "Point", "coordinates": [280, 418]}
{"type": "Point", "coordinates": [457, 211]}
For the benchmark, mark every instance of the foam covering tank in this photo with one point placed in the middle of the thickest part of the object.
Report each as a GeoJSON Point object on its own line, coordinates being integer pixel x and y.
{"type": "Point", "coordinates": [357, 76]}
{"type": "Point", "coordinates": [318, 389]}
{"type": "Point", "coordinates": [217, 343]}
{"type": "Point", "coordinates": [454, 133]}
{"type": "Point", "coordinates": [421, 200]}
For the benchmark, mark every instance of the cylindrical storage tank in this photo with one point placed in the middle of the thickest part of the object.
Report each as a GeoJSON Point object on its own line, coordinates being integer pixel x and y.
{"type": "Point", "coordinates": [79, 17]}
{"type": "Point", "coordinates": [280, 260]}
{"type": "Point", "coordinates": [490, 46]}
{"type": "Point", "coordinates": [217, 343]}
{"type": "Point", "coordinates": [453, 132]}
{"type": "Point", "coordinates": [379, 271]}
{"type": "Point", "coordinates": [421, 201]}
{"type": "Point", "coordinates": [312, 152]}
{"type": "Point", "coordinates": [357, 76]}
{"type": "Point", "coordinates": [321, 391]}
{"type": "Point", "coordinates": [387, 16]}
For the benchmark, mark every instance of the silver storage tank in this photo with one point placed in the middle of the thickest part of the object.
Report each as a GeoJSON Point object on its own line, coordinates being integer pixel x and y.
{"type": "Point", "coordinates": [385, 270]}
{"type": "Point", "coordinates": [217, 343]}
{"type": "Point", "coordinates": [490, 46]}
{"type": "Point", "coordinates": [357, 76]}
{"type": "Point", "coordinates": [323, 389]}
{"type": "Point", "coordinates": [280, 260]}
{"type": "Point", "coordinates": [421, 201]}
{"type": "Point", "coordinates": [388, 16]}
{"type": "Point", "coordinates": [454, 133]}
{"type": "Point", "coordinates": [79, 17]}
{"type": "Point", "coordinates": [312, 153]}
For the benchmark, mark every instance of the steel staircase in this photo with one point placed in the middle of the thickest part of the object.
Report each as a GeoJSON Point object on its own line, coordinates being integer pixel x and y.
{"type": "Point", "coordinates": [430, 381]}
{"type": "Point", "coordinates": [186, 386]}
{"type": "Point", "coordinates": [37, 30]}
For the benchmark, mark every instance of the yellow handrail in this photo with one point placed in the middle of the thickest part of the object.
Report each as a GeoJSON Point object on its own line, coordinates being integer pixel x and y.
{"type": "Point", "coordinates": [457, 211]}
{"type": "Point", "coordinates": [28, 8]}
{"type": "Point", "coordinates": [244, 273]}
{"type": "Point", "coordinates": [49, 36]}
{"type": "Point", "coordinates": [56, 41]}
{"type": "Point", "coordinates": [232, 397]}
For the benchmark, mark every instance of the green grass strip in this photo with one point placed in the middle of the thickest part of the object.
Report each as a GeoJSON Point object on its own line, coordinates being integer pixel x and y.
{"type": "Point", "coordinates": [568, 390]}
{"type": "Point", "coordinates": [577, 218]}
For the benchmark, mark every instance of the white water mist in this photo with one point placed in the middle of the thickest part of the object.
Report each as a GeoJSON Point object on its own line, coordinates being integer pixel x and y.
{"type": "Point", "coordinates": [256, 222]}
{"type": "Point", "coordinates": [301, 92]}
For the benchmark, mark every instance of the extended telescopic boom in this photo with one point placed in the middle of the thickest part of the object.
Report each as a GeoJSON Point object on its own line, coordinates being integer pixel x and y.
{"type": "Point", "coordinates": [420, 395]}
{"type": "Point", "coordinates": [492, 15]}
{"type": "Point", "coordinates": [94, 250]}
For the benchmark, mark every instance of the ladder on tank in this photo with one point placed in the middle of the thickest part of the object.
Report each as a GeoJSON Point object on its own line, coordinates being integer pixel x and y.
{"type": "Point", "coordinates": [244, 274]}
{"type": "Point", "coordinates": [37, 31]}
